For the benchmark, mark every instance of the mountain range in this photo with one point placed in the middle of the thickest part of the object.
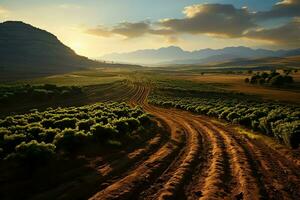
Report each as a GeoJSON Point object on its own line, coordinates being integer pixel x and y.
{"type": "Point", "coordinates": [27, 52]}
{"type": "Point", "coordinates": [176, 55]}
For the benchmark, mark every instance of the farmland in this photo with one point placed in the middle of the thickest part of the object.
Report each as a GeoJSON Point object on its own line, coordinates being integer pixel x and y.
{"type": "Point", "coordinates": [174, 137]}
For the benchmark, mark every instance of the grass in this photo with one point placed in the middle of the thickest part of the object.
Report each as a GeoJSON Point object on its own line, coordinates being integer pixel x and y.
{"type": "Point", "coordinates": [235, 83]}
{"type": "Point", "coordinates": [78, 78]}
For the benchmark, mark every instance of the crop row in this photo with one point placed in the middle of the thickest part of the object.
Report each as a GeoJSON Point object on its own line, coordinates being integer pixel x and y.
{"type": "Point", "coordinates": [281, 121]}
{"type": "Point", "coordinates": [36, 136]}
{"type": "Point", "coordinates": [10, 94]}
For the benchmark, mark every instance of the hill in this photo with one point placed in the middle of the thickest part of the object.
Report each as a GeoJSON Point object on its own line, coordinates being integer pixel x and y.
{"type": "Point", "coordinates": [27, 51]}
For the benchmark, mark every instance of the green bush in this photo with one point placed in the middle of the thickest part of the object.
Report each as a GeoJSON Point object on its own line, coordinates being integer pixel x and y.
{"type": "Point", "coordinates": [70, 139]}
{"type": "Point", "coordinates": [73, 127]}
{"type": "Point", "coordinates": [65, 123]}
{"type": "Point", "coordinates": [48, 135]}
{"type": "Point", "coordinates": [11, 141]}
{"type": "Point", "coordinates": [33, 153]}
{"type": "Point", "coordinates": [289, 132]}
{"type": "Point", "coordinates": [103, 132]}
{"type": "Point", "coordinates": [85, 124]}
{"type": "Point", "coordinates": [48, 123]}
{"type": "Point", "coordinates": [271, 118]}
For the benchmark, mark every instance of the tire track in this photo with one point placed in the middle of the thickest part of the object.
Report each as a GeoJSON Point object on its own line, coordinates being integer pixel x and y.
{"type": "Point", "coordinates": [204, 160]}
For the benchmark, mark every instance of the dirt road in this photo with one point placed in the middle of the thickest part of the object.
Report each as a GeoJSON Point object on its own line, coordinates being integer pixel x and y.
{"type": "Point", "coordinates": [203, 159]}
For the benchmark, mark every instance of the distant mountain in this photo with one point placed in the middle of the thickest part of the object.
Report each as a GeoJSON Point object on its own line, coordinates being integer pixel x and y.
{"type": "Point", "coordinates": [26, 50]}
{"type": "Point", "coordinates": [175, 55]}
{"type": "Point", "coordinates": [149, 55]}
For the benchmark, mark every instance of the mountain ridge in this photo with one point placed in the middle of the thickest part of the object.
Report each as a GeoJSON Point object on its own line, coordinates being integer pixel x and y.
{"type": "Point", "coordinates": [175, 55]}
{"type": "Point", "coordinates": [26, 50]}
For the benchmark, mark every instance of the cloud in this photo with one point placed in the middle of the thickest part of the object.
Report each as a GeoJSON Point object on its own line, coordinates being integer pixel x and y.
{"type": "Point", "coordinates": [99, 31]}
{"type": "Point", "coordinates": [131, 30]}
{"type": "Point", "coordinates": [286, 35]}
{"type": "Point", "coordinates": [285, 8]}
{"type": "Point", "coordinates": [128, 30]}
{"type": "Point", "coordinates": [216, 19]}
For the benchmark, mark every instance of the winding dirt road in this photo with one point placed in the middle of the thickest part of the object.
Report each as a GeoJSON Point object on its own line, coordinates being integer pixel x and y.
{"type": "Point", "coordinates": [201, 159]}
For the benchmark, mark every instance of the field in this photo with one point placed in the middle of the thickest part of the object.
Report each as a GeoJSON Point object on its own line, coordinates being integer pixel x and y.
{"type": "Point", "coordinates": [234, 82]}
{"type": "Point", "coordinates": [177, 136]}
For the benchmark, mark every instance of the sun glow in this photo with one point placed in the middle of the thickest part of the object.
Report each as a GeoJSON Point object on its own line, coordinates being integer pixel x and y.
{"type": "Point", "coordinates": [76, 46]}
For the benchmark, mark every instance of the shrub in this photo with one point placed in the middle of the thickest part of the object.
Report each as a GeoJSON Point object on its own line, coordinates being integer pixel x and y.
{"type": "Point", "coordinates": [48, 123]}
{"type": "Point", "coordinates": [34, 118]}
{"type": "Point", "coordinates": [3, 132]}
{"type": "Point", "coordinates": [144, 119]}
{"type": "Point", "coordinates": [48, 135]}
{"type": "Point", "coordinates": [11, 141]}
{"type": "Point", "coordinates": [103, 132]}
{"type": "Point", "coordinates": [121, 125]}
{"type": "Point", "coordinates": [33, 132]}
{"type": "Point", "coordinates": [289, 132]}
{"type": "Point", "coordinates": [70, 139]}
{"type": "Point", "coordinates": [277, 80]}
{"type": "Point", "coordinates": [65, 123]}
{"type": "Point", "coordinates": [33, 153]}
{"type": "Point", "coordinates": [133, 123]}
{"type": "Point", "coordinates": [85, 124]}
{"type": "Point", "coordinates": [231, 116]}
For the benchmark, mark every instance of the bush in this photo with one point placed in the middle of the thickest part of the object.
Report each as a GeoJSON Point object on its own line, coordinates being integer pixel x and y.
{"type": "Point", "coordinates": [48, 123]}
{"type": "Point", "coordinates": [33, 153]}
{"type": "Point", "coordinates": [70, 128]}
{"type": "Point", "coordinates": [85, 124]}
{"type": "Point", "coordinates": [65, 123]}
{"type": "Point", "coordinates": [144, 119]}
{"type": "Point", "coordinates": [11, 141]}
{"type": "Point", "coordinates": [277, 80]}
{"type": "Point", "coordinates": [289, 132]}
{"type": "Point", "coordinates": [103, 132]}
{"type": "Point", "coordinates": [48, 135]}
{"type": "Point", "coordinates": [33, 132]}
{"type": "Point", "coordinates": [70, 139]}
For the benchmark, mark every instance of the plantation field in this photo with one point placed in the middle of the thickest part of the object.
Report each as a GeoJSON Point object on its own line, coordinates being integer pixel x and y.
{"type": "Point", "coordinates": [236, 83]}
{"type": "Point", "coordinates": [79, 78]}
{"type": "Point", "coordinates": [174, 136]}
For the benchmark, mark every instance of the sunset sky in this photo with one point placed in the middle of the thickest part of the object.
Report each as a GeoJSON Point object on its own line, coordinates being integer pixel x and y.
{"type": "Point", "coordinates": [97, 27]}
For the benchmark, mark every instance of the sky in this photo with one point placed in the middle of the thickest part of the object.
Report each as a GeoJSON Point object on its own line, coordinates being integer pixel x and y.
{"type": "Point", "coordinates": [97, 27]}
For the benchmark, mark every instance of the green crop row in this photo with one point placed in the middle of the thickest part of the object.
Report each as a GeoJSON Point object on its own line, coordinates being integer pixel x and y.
{"type": "Point", "coordinates": [281, 121]}
{"type": "Point", "coordinates": [36, 136]}
{"type": "Point", "coordinates": [12, 94]}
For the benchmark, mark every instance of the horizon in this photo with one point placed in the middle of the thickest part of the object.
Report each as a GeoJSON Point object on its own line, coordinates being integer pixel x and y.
{"type": "Point", "coordinates": [271, 25]}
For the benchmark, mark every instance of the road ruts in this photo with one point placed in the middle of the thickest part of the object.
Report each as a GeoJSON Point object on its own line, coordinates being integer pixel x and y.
{"type": "Point", "coordinates": [203, 159]}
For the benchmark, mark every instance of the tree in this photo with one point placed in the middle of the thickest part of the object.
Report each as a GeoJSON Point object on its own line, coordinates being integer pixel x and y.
{"type": "Point", "coordinates": [264, 75]}
{"type": "Point", "coordinates": [277, 80]}
{"type": "Point", "coordinates": [261, 81]}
